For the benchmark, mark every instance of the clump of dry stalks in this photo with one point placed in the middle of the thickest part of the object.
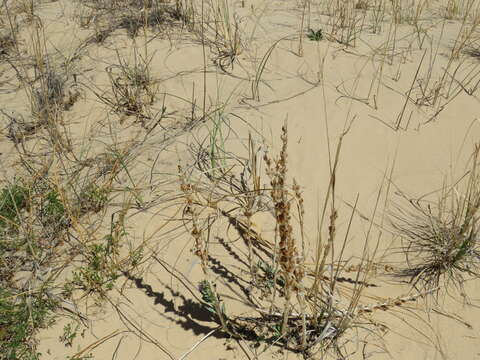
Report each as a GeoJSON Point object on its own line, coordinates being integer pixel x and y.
{"type": "Point", "coordinates": [291, 265]}
{"type": "Point", "coordinates": [294, 305]}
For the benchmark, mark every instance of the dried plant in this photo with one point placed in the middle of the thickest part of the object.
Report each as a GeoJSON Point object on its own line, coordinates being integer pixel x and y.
{"type": "Point", "coordinates": [299, 309]}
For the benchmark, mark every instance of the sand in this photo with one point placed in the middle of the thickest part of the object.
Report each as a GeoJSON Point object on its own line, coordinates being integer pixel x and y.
{"type": "Point", "coordinates": [319, 95]}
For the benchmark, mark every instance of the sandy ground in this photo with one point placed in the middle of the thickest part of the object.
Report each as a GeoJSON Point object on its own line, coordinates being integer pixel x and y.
{"type": "Point", "coordinates": [319, 94]}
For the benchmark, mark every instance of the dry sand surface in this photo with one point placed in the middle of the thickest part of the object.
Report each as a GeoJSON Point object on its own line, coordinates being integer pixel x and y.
{"type": "Point", "coordinates": [153, 150]}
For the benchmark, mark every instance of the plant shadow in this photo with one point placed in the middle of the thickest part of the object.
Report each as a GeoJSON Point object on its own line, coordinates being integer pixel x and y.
{"type": "Point", "coordinates": [189, 314]}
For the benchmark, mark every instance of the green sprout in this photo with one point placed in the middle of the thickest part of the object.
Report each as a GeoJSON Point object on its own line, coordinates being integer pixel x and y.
{"type": "Point", "coordinates": [315, 35]}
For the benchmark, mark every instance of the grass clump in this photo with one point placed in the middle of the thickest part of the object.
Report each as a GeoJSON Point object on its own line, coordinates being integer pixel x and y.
{"type": "Point", "coordinates": [224, 36]}
{"type": "Point", "coordinates": [133, 87]}
{"type": "Point", "coordinates": [136, 17]}
{"type": "Point", "coordinates": [442, 239]}
{"type": "Point", "coordinates": [50, 94]}
{"type": "Point", "coordinates": [48, 98]}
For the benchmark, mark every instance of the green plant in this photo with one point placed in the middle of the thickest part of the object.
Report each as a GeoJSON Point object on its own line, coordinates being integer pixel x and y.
{"type": "Point", "coordinates": [102, 265]}
{"type": "Point", "coordinates": [269, 273]}
{"type": "Point", "coordinates": [209, 297]}
{"type": "Point", "coordinates": [93, 198]}
{"type": "Point", "coordinates": [21, 316]}
{"type": "Point", "coordinates": [13, 199]}
{"type": "Point", "coordinates": [315, 35]}
{"type": "Point", "coordinates": [214, 305]}
{"type": "Point", "coordinates": [70, 332]}
{"type": "Point", "coordinates": [99, 273]}
{"type": "Point", "coordinates": [54, 207]}
{"type": "Point", "coordinates": [217, 138]}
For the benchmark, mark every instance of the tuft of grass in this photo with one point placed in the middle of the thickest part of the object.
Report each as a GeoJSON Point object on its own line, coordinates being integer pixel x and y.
{"type": "Point", "coordinates": [133, 87]}
{"type": "Point", "coordinates": [70, 333]}
{"type": "Point", "coordinates": [442, 239]}
{"type": "Point", "coordinates": [361, 5]}
{"type": "Point", "coordinates": [48, 99]}
{"type": "Point", "coordinates": [345, 21]}
{"type": "Point", "coordinates": [228, 40]}
{"type": "Point", "coordinates": [47, 89]}
{"type": "Point", "coordinates": [136, 17]}
{"type": "Point", "coordinates": [220, 31]}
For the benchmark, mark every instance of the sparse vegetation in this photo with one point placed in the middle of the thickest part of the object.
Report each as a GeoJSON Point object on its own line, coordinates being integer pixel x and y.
{"type": "Point", "coordinates": [134, 131]}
